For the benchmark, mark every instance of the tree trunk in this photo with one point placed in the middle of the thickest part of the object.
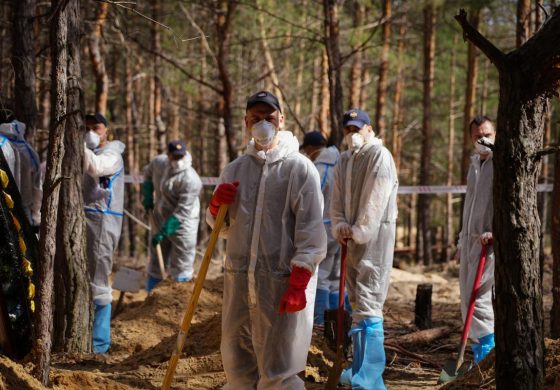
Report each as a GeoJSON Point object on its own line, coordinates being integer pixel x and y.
{"type": "Point", "coordinates": [129, 152]}
{"type": "Point", "coordinates": [73, 310]}
{"type": "Point", "coordinates": [383, 71]}
{"type": "Point", "coordinates": [325, 97]}
{"type": "Point", "coordinates": [449, 236]}
{"type": "Point", "coordinates": [399, 87]}
{"type": "Point", "coordinates": [160, 127]}
{"type": "Point", "coordinates": [484, 89]}
{"type": "Point", "coordinates": [523, 26]}
{"type": "Point", "coordinates": [424, 234]}
{"type": "Point", "coordinates": [333, 54]}
{"type": "Point", "coordinates": [224, 15]}
{"type": "Point", "coordinates": [528, 77]}
{"type": "Point", "coordinates": [98, 65]}
{"type": "Point", "coordinates": [23, 62]}
{"type": "Point", "coordinates": [269, 61]}
{"type": "Point", "coordinates": [356, 68]}
{"type": "Point", "coordinates": [555, 240]}
{"type": "Point", "coordinates": [470, 96]}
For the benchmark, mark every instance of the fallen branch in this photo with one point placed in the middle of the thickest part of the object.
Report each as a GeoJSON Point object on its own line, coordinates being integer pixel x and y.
{"type": "Point", "coordinates": [421, 337]}
{"type": "Point", "coordinates": [418, 357]}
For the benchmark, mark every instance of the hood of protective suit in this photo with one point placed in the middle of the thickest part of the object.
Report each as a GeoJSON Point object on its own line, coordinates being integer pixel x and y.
{"type": "Point", "coordinates": [287, 145]}
{"type": "Point", "coordinates": [328, 156]}
{"type": "Point", "coordinates": [116, 146]}
{"type": "Point", "coordinates": [13, 129]}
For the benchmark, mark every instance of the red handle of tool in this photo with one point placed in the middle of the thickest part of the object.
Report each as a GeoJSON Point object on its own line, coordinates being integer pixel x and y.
{"type": "Point", "coordinates": [340, 313]}
{"type": "Point", "coordinates": [474, 293]}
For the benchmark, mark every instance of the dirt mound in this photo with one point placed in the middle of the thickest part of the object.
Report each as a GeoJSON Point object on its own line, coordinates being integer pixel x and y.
{"type": "Point", "coordinates": [15, 376]}
{"type": "Point", "coordinates": [483, 375]}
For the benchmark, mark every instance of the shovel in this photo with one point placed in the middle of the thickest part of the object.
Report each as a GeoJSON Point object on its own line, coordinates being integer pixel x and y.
{"type": "Point", "coordinates": [126, 280]}
{"type": "Point", "coordinates": [187, 318]}
{"type": "Point", "coordinates": [455, 368]}
{"type": "Point", "coordinates": [336, 370]}
{"type": "Point", "coordinates": [159, 254]}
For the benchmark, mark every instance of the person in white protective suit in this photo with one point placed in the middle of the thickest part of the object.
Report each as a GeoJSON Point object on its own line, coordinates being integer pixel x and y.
{"type": "Point", "coordinates": [275, 240]}
{"type": "Point", "coordinates": [325, 158]}
{"type": "Point", "coordinates": [103, 190]}
{"type": "Point", "coordinates": [476, 231]}
{"type": "Point", "coordinates": [176, 212]}
{"type": "Point", "coordinates": [363, 214]}
{"type": "Point", "coordinates": [27, 172]}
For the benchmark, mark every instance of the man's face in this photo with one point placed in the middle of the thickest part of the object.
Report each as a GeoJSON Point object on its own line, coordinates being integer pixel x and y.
{"type": "Point", "coordinates": [486, 129]}
{"type": "Point", "coordinates": [98, 128]}
{"type": "Point", "coordinates": [262, 111]}
{"type": "Point", "coordinates": [355, 129]}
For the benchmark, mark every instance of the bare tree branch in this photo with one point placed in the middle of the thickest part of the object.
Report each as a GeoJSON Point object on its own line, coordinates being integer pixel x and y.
{"type": "Point", "coordinates": [495, 55]}
{"type": "Point", "coordinates": [202, 35]}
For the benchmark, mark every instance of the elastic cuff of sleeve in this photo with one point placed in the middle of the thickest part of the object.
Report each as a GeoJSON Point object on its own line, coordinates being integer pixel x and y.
{"type": "Point", "coordinates": [359, 236]}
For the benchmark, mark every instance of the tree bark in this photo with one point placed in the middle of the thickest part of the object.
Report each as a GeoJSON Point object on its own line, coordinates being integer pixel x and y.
{"type": "Point", "coordinates": [424, 234]}
{"type": "Point", "coordinates": [160, 127]}
{"type": "Point", "coordinates": [470, 96]}
{"type": "Point", "coordinates": [97, 62]}
{"type": "Point", "coordinates": [449, 236]}
{"type": "Point", "coordinates": [383, 71]}
{"type": "Point", "coordinates": [325, 97]}
{"type": "Point", "coordinates": [333, 54]}
{"type": "Point", "coordinates": [523, 26]}
{"type": "Point", "coordinates": [224, 15]}
{"type": "Point", "coordinates": [23, 62]}
{"type": "Point", "coordinates": [356, 68]}
{"type": "Point", "coordinates": [528, 77]}
{"type": "Point", "coordinates": [555, 240]}
{"type": "Point", "coordinates": [73, 310]}
{"type": "Point", "coordinates": [399, 87]}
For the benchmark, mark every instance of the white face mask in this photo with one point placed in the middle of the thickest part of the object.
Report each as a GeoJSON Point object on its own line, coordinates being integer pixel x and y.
{"type": "Point", "coordinates": [354, 141]}
{"type": "Point", "coordinates": [92, 140]}
{"type": "Point", "coordinates": [263, 133]}
{"type": "Point", "coordinates": [483, 149]}
{"type": "Point", "coordinates": [178, 164]}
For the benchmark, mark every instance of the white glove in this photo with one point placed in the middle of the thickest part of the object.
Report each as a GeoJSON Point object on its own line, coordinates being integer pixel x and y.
{"type": "Point", "coordinates": [344, 232]}
{"type": "Point", "coordinates": [486, 237]}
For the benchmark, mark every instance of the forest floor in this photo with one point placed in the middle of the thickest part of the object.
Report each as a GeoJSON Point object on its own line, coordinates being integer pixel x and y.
{"type": "Point", "coordinates": [144, 334]}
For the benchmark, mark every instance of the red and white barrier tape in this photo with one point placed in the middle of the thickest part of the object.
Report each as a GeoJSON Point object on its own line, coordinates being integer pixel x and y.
{"type": "Point", "coordinates": [212, 181]}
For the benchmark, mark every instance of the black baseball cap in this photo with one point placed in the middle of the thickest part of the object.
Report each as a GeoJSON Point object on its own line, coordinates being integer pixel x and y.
{"type": "Point", "coordinates": [355, 117]}
{"type": "Point", "coordinates": [266, 98]}
{"type": "Point", "coordinates": [97, 118]}
{"type": "Point", "coordinates": [177, 148]}
{"type": "Point", "coordinates": [313, 138]}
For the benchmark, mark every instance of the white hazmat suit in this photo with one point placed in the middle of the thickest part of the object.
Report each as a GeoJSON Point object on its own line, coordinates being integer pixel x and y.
{"type": "Point", "coordinates": [11, 157]}
{"type": "Point", "coordinates": [365, 197]}
{"type": "Point", "coordinates": [329, 269]}
{"type": "Point", "coordinates": [477, 219]}
{"type": "Point", "coordinates": [103, 189]}
{"type": "Point", "coordinates": [177, 192]}
{"type": "Point", "coordinates": [275, 223]}
{"type": "Point", "coordinates": [29, 177]}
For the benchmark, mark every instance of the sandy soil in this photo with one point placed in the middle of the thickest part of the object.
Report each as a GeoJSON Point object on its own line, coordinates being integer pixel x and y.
{"type": "Point", "coordinates": [144, 334]}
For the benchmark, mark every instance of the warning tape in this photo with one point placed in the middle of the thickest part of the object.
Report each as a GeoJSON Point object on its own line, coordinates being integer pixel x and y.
{"type": "Point", "coordinates": [212, 181]}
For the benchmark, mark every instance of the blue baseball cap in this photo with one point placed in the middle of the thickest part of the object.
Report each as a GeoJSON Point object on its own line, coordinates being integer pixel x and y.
{"type": "Point", "coordinates": [177, 148]}
{"type": "Point", "coordinates": [355, 117]}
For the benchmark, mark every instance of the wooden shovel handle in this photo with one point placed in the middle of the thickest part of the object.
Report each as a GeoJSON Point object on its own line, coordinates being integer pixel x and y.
{"type": "Point", "coordinates": [187, 318]}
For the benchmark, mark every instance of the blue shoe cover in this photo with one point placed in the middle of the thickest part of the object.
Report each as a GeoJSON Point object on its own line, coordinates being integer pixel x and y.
{"type": "Point", "coordinates": [101, 328]}
{"type": "Point", "coordinates": [151, 282]}
{"type": "Point", "coordinates": [347, 303]}
{"type": "Point", "coordinates": [483, 348]}
{"type": "Point", "coordinates": [321, 303]}
{"type": "Point", "coordinates": [182, 279]}
{"type": "Point", "coordinates": [369, 355]}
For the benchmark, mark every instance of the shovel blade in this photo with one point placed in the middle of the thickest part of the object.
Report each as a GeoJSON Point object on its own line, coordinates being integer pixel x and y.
{"type": "Point", "coordinates": [448, 373]}
{"type": "Point", "coordinates": [128, 280]}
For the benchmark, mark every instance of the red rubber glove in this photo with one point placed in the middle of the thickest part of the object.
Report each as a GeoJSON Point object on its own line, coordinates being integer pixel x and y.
{"type": "Point", "coordinates": [224, 194]}
{"type": "Point", "coordinates": [294, 298]}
